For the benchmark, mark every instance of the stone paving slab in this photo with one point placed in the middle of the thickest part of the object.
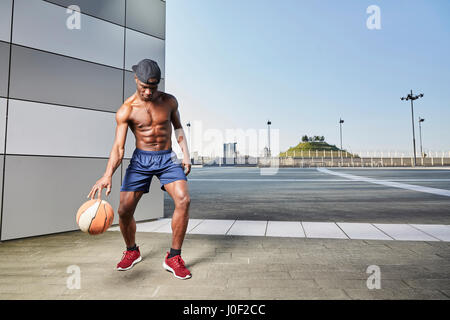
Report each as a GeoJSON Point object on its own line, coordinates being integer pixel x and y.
{"type": "Point", "coordinates": [224, 267]}
{"type": "Point", "coordinates": [301, 229]}
{"type": "Point", "coordinates": [285, 229]}
{"type": "Point", "coordinates": [441, 232]}
{"type": "Point", "coordinates": [213, 226]}
{"type": "Point", "coordinates": [404, 232]}
{"type": "Point", "coordinates": [246, 227]}
{"type": "Point", "coordinates": [323, 230]}
{"type": "Point", "coordinates": [363, 231]}
{"type": "Point", "coordinates": [149, 226]}
{"type": "Point", "coordinates": [167, 228]}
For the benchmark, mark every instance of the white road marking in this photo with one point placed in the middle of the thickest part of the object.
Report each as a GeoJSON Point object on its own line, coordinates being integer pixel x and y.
{"type": "Point", "coordinates": [307, 180]}
{"type": "Point", "coordinates": [393, 184]}
{"type": "Point", "coordinates": [267, 180]}
{"type": "Point", "coordinates": [156, 291]}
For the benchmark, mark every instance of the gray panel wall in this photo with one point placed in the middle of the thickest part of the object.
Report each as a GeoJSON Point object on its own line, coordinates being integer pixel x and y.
{"type": "Point", "coordinates": [110, 10]}
{"type": "Point", "coordinates": [65, 88]}
{"type": "Point", "coordinates": [3, 106]}
{"type": "Point", "coordinates": [1, 181]}
{"type": "Point", "coordinates": [42, 25]}
{"type": "Point", "coordinates": [43, 194]}
{"type": "Point", "coordinates": [59, 131]}
{"type": "Point", "coordinates": [129, 144]}
{"type": "Point", "coordinates": [5, 19]}
{"type": "Point", "coordinates": [2, 127]}
{"type": "Point", "coordinates": [4, 68]}
{"type": "Point", "coordinates": [66, 81]}
{"type": "Point", "coordinates": [140, 46]}
{"type": "Point", "coordinates": [147, 16]}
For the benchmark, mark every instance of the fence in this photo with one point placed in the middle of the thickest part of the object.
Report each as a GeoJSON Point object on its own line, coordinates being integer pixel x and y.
{"type": "Point", "coordinates": [333, 159]}
{"type": "Point", "coordinates": [362, 159]}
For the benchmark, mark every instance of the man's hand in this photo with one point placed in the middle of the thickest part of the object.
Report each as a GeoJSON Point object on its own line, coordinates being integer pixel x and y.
{"type": "Point", "coordinates": [103, 182]}
{"type": "Point", "coordinates": [186, 164]}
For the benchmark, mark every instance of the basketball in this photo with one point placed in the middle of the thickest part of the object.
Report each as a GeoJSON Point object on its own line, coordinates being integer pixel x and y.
{"type": "Point", "coordinates": [95, 216]}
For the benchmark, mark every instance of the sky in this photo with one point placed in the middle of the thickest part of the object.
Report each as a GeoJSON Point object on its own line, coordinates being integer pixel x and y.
{"type": "Point", "coordinates": [304, 64]}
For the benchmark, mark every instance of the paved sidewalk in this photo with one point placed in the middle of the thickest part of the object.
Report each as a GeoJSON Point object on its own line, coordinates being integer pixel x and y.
{"type": "Point", "coordinates": [303, 229]}
{"type": "Point", "coordinates": [224, 267]}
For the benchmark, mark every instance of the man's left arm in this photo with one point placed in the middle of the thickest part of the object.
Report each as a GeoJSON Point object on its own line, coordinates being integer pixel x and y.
{"type": "Point", "coordinates": [181, 137]}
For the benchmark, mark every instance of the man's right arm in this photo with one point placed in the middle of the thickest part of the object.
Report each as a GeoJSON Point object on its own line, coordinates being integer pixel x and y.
{"type": "Point", "coordinates": [118, 149]}
{"type": "Point", "coordinates": [117, 152]}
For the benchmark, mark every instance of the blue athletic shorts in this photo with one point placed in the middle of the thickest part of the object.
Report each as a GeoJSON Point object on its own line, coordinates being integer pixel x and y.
{"type": "Point", "coordinates": [145, 164]}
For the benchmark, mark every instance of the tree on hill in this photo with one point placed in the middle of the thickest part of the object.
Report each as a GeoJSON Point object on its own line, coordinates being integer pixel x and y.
{"type": "Point", "coordinates": [305, 138]}
{"type": "Point", "coordinates": [314, 143]}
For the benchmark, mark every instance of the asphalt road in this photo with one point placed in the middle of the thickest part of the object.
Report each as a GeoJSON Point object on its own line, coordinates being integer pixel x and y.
{"type": "Point", "coordinates": [307, 194]}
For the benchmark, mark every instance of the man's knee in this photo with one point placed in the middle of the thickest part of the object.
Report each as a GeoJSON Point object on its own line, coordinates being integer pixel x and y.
{"type": "Point", "coordinates": [183, 202]}
{"type": "Point", "coordinates": [128, 203]}
{"type": "Point", "coordinates": [126, 210]}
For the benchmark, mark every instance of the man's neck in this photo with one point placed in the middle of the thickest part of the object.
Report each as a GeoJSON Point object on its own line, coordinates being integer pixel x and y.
{"type": "Point", "coordinates": [153, 99]}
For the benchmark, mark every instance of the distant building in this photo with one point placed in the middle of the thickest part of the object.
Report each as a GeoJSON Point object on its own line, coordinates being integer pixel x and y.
{"type": "Point", "coordinates": [229, 153]}
{"type": "Point", "coordinates": [266, 152]}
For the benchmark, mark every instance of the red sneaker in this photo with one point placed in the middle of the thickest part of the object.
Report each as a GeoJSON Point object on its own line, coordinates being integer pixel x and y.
{"type": "Point", "coordinates": [176, 266]}
{"type": "Point", "coordinates": [129, 259]}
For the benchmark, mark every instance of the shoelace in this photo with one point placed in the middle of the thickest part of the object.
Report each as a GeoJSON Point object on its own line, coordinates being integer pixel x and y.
{"type": "Point", "coordinates": [179, 262]}
{"type": "Point", "coordinates": [127, 255]}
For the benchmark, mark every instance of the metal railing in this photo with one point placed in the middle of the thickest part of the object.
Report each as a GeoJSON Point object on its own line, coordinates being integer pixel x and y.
{"type": "Point", "coordinates": [333, 159]}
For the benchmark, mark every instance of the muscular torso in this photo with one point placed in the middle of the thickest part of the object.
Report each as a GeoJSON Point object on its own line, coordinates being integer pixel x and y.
{"type": "Point", "coordinates": [151, 122]}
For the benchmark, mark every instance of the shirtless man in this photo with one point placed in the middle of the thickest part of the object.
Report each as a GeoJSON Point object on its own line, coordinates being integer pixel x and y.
{"type": "Point", "coordinates": [150, 114]}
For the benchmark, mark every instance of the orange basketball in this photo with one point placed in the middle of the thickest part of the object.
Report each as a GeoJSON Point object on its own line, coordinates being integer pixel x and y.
{"type": "Point", "coordinates": [95, 216]}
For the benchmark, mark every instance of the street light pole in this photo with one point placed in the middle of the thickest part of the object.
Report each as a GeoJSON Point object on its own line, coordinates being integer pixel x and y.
{"type": "Point", "coordinates": [412, 98]}
{"type": "Point", "coordinates": [420, 134]}
{"type": "Point", "coordinates": [268, 137]}
{"type": "Point", "coordinates": [340, 125]}
{"type": "Point", "coordinates": [189, 133]}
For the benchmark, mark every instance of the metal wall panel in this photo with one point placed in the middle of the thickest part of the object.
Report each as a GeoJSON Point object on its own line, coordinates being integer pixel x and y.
{"type": "Point", "coordinates": [4, 68]}
{"type": "Point", "coordinates": [62, 80]}
{"type": "Point", "coordinates": [140, 46]}
{"type": "Point", "coordinates": [130, 144]}
{"type": "Point", "coordinates": [1, 183]}
{"type": "Point", "coordinates": [57, 148]}
{"type": "Point", "coordinates": [42, 25]}
{"type": "Point", "coordinates": [148, 16]}
{"type": "Point", "coordinates": [5, 20]}
{"type": "Point", "coordinates": [43, 194]}
{"type": "Point", "coordinates": [110, 10]}
{"type": "Point", "coordinates": [41, 129]}
{"type": "Point", "coordinates": [3, 103]}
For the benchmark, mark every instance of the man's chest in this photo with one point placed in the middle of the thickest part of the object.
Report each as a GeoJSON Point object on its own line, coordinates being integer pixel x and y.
{"type": "Point", "coordinates": [146, 115]}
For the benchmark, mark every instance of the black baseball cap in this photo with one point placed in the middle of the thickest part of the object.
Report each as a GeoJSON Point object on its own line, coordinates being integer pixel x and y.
{"type": "Point", "coordinates": [147, 69]}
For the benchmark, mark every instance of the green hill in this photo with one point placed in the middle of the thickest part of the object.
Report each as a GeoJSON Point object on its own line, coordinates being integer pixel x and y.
{"type": "Point", "coordinates": [314, 148]}
{"type": "Point", "coordinates": [321, 146]}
